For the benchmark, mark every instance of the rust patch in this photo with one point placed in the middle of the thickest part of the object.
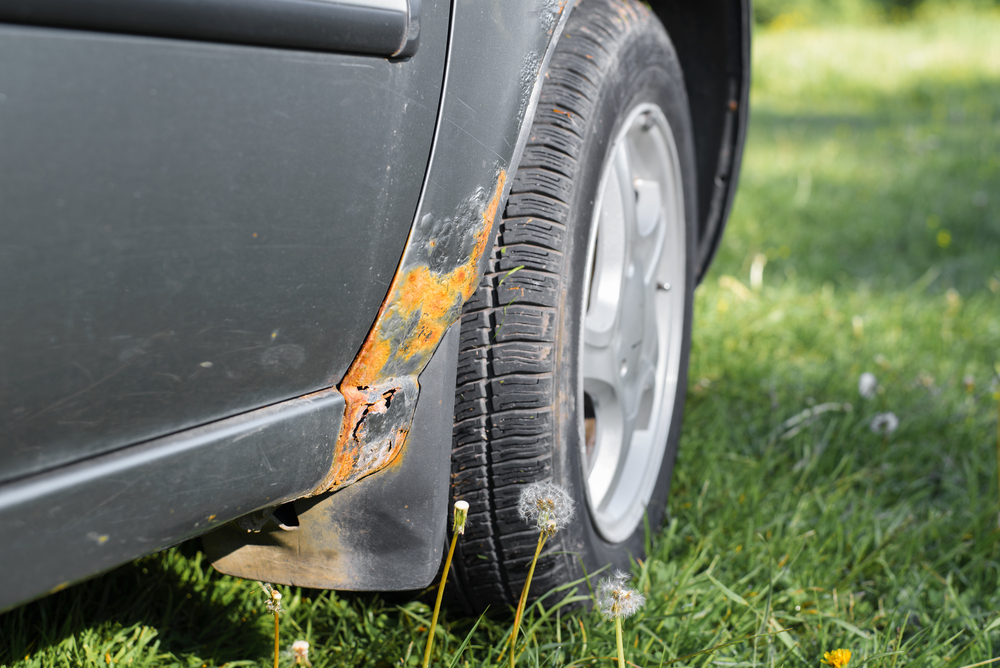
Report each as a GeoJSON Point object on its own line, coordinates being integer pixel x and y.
{"type": "Point", "coordinates": [422, 304]}
{"type": "Point", "coordinates": [376, 422]}
{"type": "Point", "coordinates": [424, 299]}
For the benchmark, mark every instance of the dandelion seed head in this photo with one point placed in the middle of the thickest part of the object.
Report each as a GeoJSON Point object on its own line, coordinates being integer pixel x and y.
{"type": "Point", "coordinates": [838, 658]}
{"type": "Point", "coordinates": [615, 599]}
{"type": "Point", "coordinates": [300, 650]}
{"type": "Point", "coordinates": [545, 505]}
{"type": "Point", "coordinates": [867, 385]}
{"type": "Point", "coordinates": [884, 423]}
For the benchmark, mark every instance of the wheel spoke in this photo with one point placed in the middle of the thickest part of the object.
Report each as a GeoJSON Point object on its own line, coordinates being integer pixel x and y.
{"type": "Point", "coordinates": [601, 365]}
{"type": "Point", "coordinates": [648, 206]}
{"type": "Point", "coordinates": [602, 381]}
{"type": "Point", "coordinates": [623, 173]}
{"type": "Point", "coordinates": [650, 225]}
{"type": "Point", "coordinates": [602, 315]}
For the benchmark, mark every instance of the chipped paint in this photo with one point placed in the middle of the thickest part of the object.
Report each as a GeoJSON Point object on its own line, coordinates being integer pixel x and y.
{"type": "Point", "coordinates": [549, 15]}
{"type": "Point", "coordinates": [530, 67]}
{"type": "Point", "coordinates": [438, 273]}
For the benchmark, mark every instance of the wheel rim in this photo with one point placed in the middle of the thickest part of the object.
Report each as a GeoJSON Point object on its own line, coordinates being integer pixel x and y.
{"type": "Point", "coordinates": [633, 321]}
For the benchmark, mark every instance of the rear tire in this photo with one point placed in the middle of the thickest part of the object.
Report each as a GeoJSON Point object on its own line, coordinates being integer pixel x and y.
{"type": "Point", "coordinates": [574, 349]}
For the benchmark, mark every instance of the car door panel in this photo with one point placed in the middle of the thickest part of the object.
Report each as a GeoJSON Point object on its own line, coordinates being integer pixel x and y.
{"type": "Point", "coordinates": [192, 230]}
{"type": "Point", "coordinates": [380, 27]}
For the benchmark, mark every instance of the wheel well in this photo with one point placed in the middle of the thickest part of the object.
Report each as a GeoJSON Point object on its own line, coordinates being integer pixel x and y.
{"type": "Point", "coordinates": [712, 40]}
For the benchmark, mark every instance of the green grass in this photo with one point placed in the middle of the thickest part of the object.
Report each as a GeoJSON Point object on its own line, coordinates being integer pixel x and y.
{"type": "Point", "coordinates": [867, 143]}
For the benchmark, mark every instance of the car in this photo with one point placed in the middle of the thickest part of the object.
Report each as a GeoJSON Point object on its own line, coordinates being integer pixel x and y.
{"type": "Point", "coordinates": [294, 276]}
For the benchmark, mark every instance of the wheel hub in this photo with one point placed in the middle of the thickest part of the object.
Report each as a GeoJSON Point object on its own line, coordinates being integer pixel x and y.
{"type": "Point", "coordinates": [633, 321]}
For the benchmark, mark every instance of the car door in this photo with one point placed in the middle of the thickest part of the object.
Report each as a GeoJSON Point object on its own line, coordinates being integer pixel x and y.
{"type": "Point", "coordinates": [203, 205]}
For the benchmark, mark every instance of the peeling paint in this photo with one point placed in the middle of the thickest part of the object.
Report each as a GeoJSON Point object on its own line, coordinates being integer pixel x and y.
{"type": "Point", "coordinates": [438, 273]}
{"type": "Point", "coordinates": [376, 423]}
{"type": "Point", "coordinates": [549, 15]}
{"type": "Point", "coordinates": [530, 67]}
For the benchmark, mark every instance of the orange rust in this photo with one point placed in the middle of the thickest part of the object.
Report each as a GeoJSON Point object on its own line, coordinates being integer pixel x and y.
{"type": "Point", "coordinates": [362, 402]}
{"type": "Point", "coordinates": [358, 401]}
{"type": "Point", "coordinates": [429, 300]}
{"type": "Point", "coordinates": [433, 295]}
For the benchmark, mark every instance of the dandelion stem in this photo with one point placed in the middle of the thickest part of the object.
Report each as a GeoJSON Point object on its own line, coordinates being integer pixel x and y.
{"type": "Point", "coordinates": [524, 598]}
{"type": "Point", "coordinates": [982, 663]}
{"type": "Point", "coordinates": [276, 639]}
{"type": "Point", "coordinates": [437, 603]}
{"type": "Point", "coordinates": [997, 397]}
{"type": "Point", "coordinates": [618, 637]}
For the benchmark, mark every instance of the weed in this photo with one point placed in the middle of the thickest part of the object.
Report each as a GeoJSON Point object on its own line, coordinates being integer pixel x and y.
{"type": "Point", "coordinates": [461, 513]}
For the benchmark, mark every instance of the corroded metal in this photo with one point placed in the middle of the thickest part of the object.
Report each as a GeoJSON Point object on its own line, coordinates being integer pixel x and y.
{"type": "Point", "coordinates": [438, 273]}
{"type": "Point", "coordinates": [385, 532]}
{"type": "Point", "coordinates": [498, 52]}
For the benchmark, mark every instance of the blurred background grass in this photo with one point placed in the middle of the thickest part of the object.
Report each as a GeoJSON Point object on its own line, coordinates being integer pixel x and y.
{"type": "Point", "coordinates": [789, 13]}
{"type": "Point", "coordinates": [865, 237]}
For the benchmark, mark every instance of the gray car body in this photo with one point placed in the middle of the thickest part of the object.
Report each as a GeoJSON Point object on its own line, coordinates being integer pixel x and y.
{"type": "Point", "coordinates": [199, 228]}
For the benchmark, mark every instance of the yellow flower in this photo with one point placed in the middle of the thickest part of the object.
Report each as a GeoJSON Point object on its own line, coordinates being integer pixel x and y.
{"type": "Point", "coordinates": [838, 658]}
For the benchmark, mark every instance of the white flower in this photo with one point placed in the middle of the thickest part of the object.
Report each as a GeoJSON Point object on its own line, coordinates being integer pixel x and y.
{"type": "Point", "coordinates": [884, 423]}
{"type": "Point", "coordinates": [546, 505]}
{"type": "Point", "coordinates": [461, 515]}
{"type": "Point", "coordinates": [867, 385]}
{"type": "Point", "coordinates": [615, 599]}
{"type": "Point", "coordinates": [300, 650]}
{"type": "Point", "coordinates": [274, 597]}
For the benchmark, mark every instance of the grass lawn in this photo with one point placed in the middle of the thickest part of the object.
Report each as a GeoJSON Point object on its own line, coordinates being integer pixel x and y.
{"type": "Point", "coordinates": [865, 238]}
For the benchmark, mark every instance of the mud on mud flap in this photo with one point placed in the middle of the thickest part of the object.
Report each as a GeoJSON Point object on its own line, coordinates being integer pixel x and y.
{"type": "Point", "coordinates": [384, 532]}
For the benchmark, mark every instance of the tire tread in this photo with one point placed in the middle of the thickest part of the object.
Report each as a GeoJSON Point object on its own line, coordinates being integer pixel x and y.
{"type": "Point", "coordinates": [502, 436]}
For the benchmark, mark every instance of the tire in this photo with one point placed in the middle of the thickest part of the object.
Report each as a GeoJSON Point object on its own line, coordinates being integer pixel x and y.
{"type": "Point", "coordinates": [537, 397]}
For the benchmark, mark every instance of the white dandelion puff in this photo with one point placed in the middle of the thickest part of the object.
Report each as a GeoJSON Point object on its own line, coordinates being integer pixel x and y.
{"type": "Point", "coordinates": [867, 385]}
{"type": "Point", "coordinates": [549, 508]}
{"type": "Point", "coordinates": [300, 650]}
{"type": "Point", "coordinates": [545, 505]}
{"type": "Point", "coordinates": [884, 423]}
{"type": "Point", "coordinates": [616, 600]}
